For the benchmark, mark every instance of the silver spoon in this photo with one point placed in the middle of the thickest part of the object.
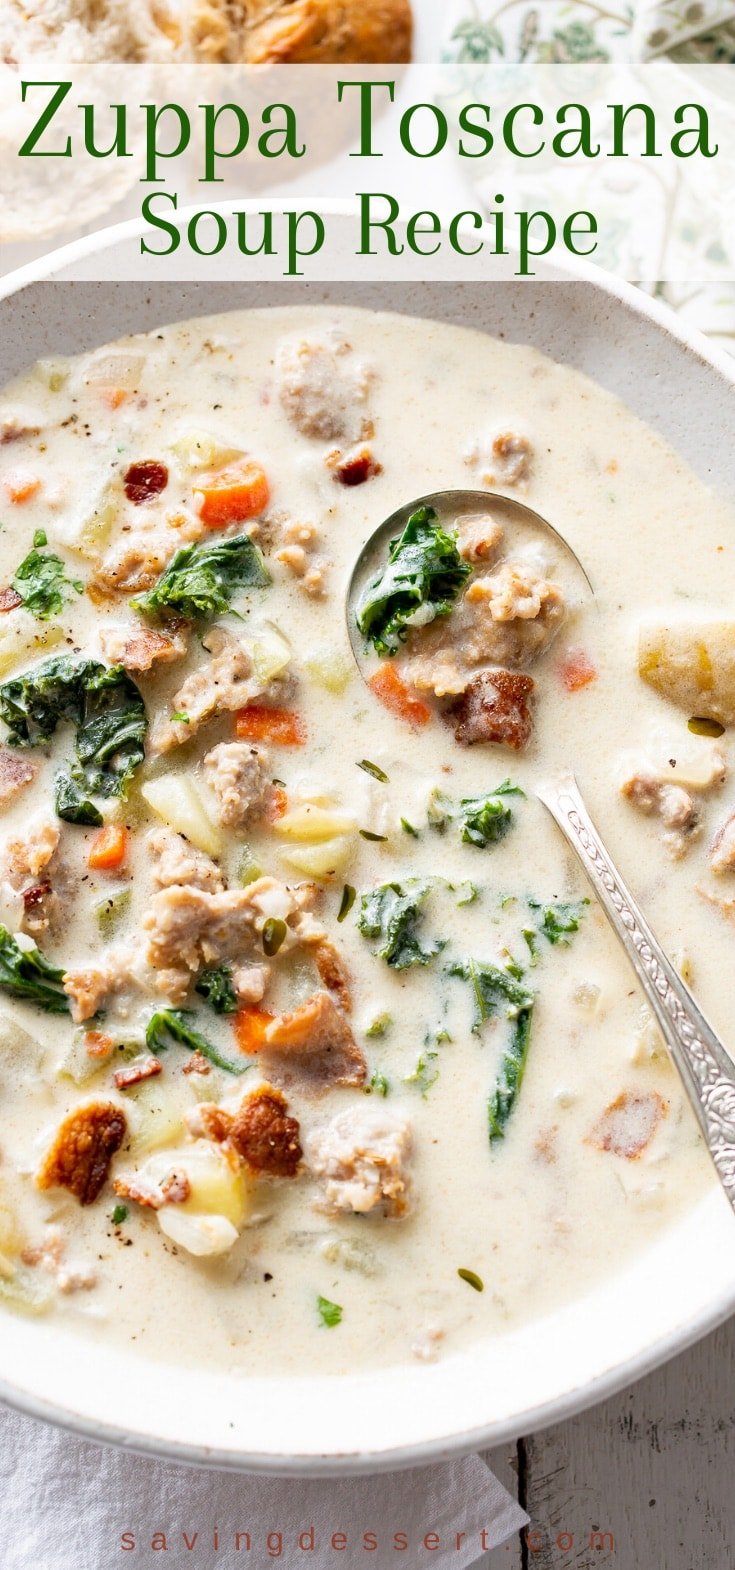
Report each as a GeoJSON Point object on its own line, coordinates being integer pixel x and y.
{"type": "Point", "coordinates": [705, 1068]}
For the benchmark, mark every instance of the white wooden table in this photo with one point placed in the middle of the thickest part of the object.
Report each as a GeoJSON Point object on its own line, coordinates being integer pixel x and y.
{"type": "Point", "coordinates": [653, 1469]}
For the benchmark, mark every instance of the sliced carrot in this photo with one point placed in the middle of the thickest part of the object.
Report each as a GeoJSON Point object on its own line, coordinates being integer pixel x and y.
{"type": "Point", "coordinates": [258, 722]}
{"type": "Point", "coordinates": [277, 804]}
{"type": "Point", "coordinates": [232, 494]}
{"type": "Point", "coordinates": [108, 848]}
{"type": "Point", "coordinates": [392, 691]}
{"type": "Point", "coordinates": [576, 670]}
{"type": "Point", "coordinates": [21, 485]}
{"type": "Point", "coordinates": [97, 1044]}
{"type": "Point", "coordinates": [250, 1026]}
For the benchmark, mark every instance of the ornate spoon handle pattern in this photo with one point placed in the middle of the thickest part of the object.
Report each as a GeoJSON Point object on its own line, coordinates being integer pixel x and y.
{"type": "Point", "coordinates": [705, 1067]}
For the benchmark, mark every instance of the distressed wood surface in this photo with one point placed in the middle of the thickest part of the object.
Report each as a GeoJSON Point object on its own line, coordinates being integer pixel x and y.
{"type": "Point", "coordinates": [646, 1481]}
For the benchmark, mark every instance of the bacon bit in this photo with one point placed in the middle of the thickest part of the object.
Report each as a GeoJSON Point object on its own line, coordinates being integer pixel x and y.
{"type": "Point", "coordinates": [196, 1064]}
{"type": "Point", "coordinates": [356, 468]}
{"type": "Point", "coordinates": [258, 722]}
{"type": "Point", "coordinates": [494, 707]}
{"type": "Point", "coordinates": [21, 485]}
{"type": "Point", "coordinates": [393, 693]}
{"type": "Point", "coordinates": [79, 1159]}
{"type": "Point", "coordinates": [97, 1044]}
{"type": "Point", "coordinates": [9, 599]}
{"type": "Point", "coordinates": [35, 895]}
{"type": "Point", "coordinates": [108, 849]}
{"type": "Point", "coordinates": [250, 1025]}
{"type": "Point", "coordinates": [148, 1068]}
{"type": "Point", "coordinates": [628, 1125]}
{"type": "Point", "coordinates": [176, 1188]}
{"type": "Point", "coordinates": [277, 805]}
{"type": "Point", "coordinates": [144, 481]}
{"type": "Point", "coordinates": [233, 494]}
{"type": "Point", "coordinates": [332, 973]}
{"type": "Point", "coordinates": [211, 1122]}
{"type": "Point", "coordinates": [129, 1188]}
{"type": "Point", "coordinates": [16, 772]}
{"type": "Point", "coordinates": [265, 1137]}
{"type": "Point", "coordinates": [576, 670]}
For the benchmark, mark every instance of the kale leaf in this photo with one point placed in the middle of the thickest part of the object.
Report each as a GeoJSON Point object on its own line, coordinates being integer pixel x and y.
{"type": "Point", "coordinates": [424, 574]}
{"type": "Point", "coordinates": [495, 990]}
{"type": "Point", "coordinates": [215, 985]}
{"type": "Point", "coordinates": [41, 582]}
{"type": "Point", "coordinates": [392, 914]}
{"type": "Point", "coordinates": [107, 711]}
{"type": "Point", "coordinates": [503, 1096]}
{"type": "Point", "coordinates": [201, 579]}
{"type": "Point", "coordinates": [27, 974]}
{"type": "Point", "coordinates": [329, 1313]}
{"type": "Point", "coordinates": [559, 919]}
{"type": "Point", "coordinates": [482, 820]}
{"type": "Point", "coordinates": [173, 1023]}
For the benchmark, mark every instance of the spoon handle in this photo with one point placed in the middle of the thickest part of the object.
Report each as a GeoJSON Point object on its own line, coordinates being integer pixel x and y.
{"type": "Point", "coordinates": [706, 1069]}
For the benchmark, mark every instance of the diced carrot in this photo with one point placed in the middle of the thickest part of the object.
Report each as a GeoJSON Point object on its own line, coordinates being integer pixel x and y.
{"type": "Point", "coordinates": [277, 804]}
{"type": "Point", "coordinates": [21, 485]}
{"type": "Point", "coordinates": [232, 494]}
{"type": "Point", "coordinates": [576, 670]}
{"type": "Point", "coordinates": [392, 691]}
{"type": "Point", "coordinates": [97, 1044]}
{"type": "Point", "coordinates": [114, 397]}
{"type": "Point", "coordinates": [108, 848]}
{"type": "Point", "coordinates": [258, 722]}
{"type": "Point", "coordinates": [250, 1026]}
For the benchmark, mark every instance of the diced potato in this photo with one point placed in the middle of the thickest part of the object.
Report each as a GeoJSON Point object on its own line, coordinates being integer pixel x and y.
{"type": "Point", "coordinates": [312, 823]}
{"type": "Point", "coordinates": [693, 665]}
{"type": "Point", "coordinates": [269, 651]}
{"type": "Point", "coordinates": [327, 859]}
{"type": "Point", "coordinates": [154, 1116]}
{"type": "Point", "coordinates": [198, 449]}
{"type": "Point", "coordinates": [53, 373]}
{"type": "Point", "coordinates": [208, 1221]}
{"type": "Point", "coordinates": [77, 1063]}
{"type": "Point", "coordinates": [330, 668]}
{"type": "Point", "coordinates": [202, 1236]}
{"type": "Point", "coordinates": [20, 1052]}
{"type": "Point", "coordinates": [87, 529]}
{"type": "Point", "coordinates": [26, 1290]}
{"type": "Point", "coordinates": [694, 763]}
{"type": "Point", "coordinates": [178, 801]}
{"type": "Point", "coordinates": [115, 369]}
{"type": "Point", "coordinates": [21, 635]}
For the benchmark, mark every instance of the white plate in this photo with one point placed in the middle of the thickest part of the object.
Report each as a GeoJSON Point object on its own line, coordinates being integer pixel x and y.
{"type": "Point", "coordinates": [669, 1296]}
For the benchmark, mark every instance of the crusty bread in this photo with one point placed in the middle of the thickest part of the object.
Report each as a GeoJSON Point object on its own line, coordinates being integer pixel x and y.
{"type": "Point", "coordinates": [254, 32]}
{"type": "Point", "coordinates": [302, 32]}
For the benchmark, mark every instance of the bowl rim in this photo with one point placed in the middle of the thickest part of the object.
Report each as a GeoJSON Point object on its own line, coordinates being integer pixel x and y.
{"type": "Point", "coordinates": [576, 1398]}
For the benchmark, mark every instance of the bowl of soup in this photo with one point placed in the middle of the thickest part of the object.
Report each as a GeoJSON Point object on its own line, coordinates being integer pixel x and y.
{"type": "Point", "coordinates": [336, 1131]}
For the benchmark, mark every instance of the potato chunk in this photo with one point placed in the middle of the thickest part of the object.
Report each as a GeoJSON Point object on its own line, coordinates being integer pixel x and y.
{"type": "Point", "coordinates": [693, 665]}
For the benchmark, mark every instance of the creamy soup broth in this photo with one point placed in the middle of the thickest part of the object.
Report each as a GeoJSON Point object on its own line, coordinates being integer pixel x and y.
{"type": "Point", "coordinates": [348, 415]}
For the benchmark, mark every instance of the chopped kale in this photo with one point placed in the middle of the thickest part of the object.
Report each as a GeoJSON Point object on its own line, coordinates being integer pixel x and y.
{"type": "Point", "coordinates": [482, 820]}
{"type": "Point", "coordinates": [426, 1072]}
{"type": "Point", "coordinates": [493, 989]}
{"type": "Point", "coordinates": [503, 1097]}
{"type": "Point", "coordinates": [215, 986]}
{"type": "Point", "coordinates": [118, 1215]}
{"type": "Point", "coordinates": [392, 914]}
{"type": "Point", "coordinates": [41, 581]}
{"type": "Point", "coordinates": [201, 579]}
{"type": "Point", "coordinates": [497, 990]}
{"type": "Point", "coordinates": [28, 975]}
{"type": "Point", "coordinates": [379, 1025]}
{"type": "Point", "coordinates": [378, 1083]}
{"type": "Point", "coordinates": [174, 1023]}
{"type": "Point", "coordinates": [107, 711]}
{"type": "Point", "coordinates": [329, 1313]}
{"type": "Point", "coordinates": [559, 919]}
{"type": "Point", "coordinates": [420, 581]}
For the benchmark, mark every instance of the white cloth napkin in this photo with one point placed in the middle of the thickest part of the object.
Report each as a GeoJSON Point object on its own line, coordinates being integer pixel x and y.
{"type": "Point", "coordinates": [66, 1504]}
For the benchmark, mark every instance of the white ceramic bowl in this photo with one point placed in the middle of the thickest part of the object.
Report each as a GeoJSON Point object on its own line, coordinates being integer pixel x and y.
{"type": "Point", "coordinates": [639, 1316]}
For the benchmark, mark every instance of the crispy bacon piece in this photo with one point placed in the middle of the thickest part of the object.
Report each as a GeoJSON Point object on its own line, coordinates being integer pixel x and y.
{"type": "Point", "coordinates": [10, 599]}
{"type": "Point", "coordinates": [628, 1125]}
{"type": "Point", "coordinates": [86, 1141]}
{"type": "Point", "coordinates": [144, 481]}
{"type": "Point", "coordinates": [135, 1073]}
{"type": "Point", "coordinates": [354, 468]}
{"type": "Point", "coordinates": [139, 651]}
{"type": "Point", "coordinates": [265, 1137]}
{"type": "Point", "coordinates": [332, 973]}
{"type": "Point", "coordinates": [494, 707]}
{"type": "Point", "coordinates": [16, 771]}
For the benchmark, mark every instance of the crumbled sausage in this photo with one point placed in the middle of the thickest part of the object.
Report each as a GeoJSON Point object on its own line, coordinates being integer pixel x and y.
{"type": "Point", "coordinates": [479, 536]}
{"type": "Point", "coordinates": [505, 460]}
{"type": "Point", "coordinates": [312, 1045]}
{"type": "Point", "coordinates": [175, 861]}
{"type": "Point", "coordinates": [140, 649]}
{"type": "Point", "coordinates": [226, 682]}
{"type": "Point", "coordinates": [505, 618]}
{"type": "Point", "coordinates": [91, 986]}
{"type": "Point", "coordinates": [238, 774]}
{"type": "Point", "coordinates": [250, 982]}
{"type": "Point", "coordinates": [17, 771]}
{"type": "Point", "coordinates": [494, 707]}
{"type": "Point", "coordinates": [189, 927]}
{"type": "Point", "coordinates": [323, 389]}
{"type": "Point", "coordinates": [675, 807]}
{"type": "Point", "coordinates": [361, 1158]}
{"type": "Point", "coordinates": [79, 1159]}
{"type": "Point", "coordinates": [722, 855]}
{"type": "Point", "coordinates": [265, 1137]}
{"type": "Point", "coordinates": [28, 854]}
{"type": "Point", "coordinates": [144, 550]}
{"type": "Point", "coordinates": [628, 1125]}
